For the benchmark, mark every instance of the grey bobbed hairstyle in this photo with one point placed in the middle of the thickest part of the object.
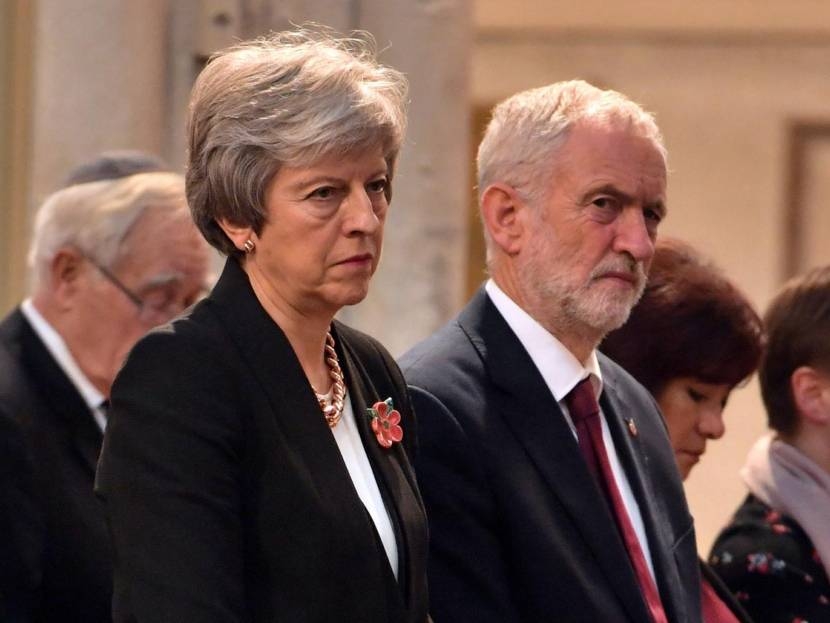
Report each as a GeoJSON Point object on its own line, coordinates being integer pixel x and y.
{"type": "Point", "coordinates": [96, 217]}
{"type": "Point", "coordinates": [527, 129]}
{"type": "Point", "coordinates": [292, 98]}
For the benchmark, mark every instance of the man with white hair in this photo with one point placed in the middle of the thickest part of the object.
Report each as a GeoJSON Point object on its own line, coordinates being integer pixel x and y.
{"type": "Point", "coordinates": [109, 260]}
{"type": "Point", "coordinates": [549, 482]}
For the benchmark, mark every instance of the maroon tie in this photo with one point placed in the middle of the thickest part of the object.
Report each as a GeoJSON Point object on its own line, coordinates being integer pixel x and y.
{"type": "Point", "coordinates": [584, 411]}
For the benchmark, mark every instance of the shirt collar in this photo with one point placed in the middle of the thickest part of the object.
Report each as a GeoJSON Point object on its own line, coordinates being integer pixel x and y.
{"type": "Point", "coordinates": [559, 368]}
{"type": "Point", "coordinates": [56, 346]}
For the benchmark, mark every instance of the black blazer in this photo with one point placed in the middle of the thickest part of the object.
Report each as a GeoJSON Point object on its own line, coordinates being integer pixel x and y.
{"type": "Point", "coordinates": [227, 497]}
{"type": "Point", "coordinates": [519, 529]}
{"type": "Point", "coordinates": [54, 549]}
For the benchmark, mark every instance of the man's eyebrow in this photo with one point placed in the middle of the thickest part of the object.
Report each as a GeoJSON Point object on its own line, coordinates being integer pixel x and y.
{"type": "Point", "coordinates": [606, 189]}
{"type": "Point", "coordinates": [658, 205]}
{"type": "Point", "coordinates": [162, 279]}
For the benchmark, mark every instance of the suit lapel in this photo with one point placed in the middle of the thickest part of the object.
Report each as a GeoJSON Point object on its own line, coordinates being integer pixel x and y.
{"type": "Point", "coordinates": [392, 480]}
{"type": "Point", "coordinates": [59, 396]}
{"type": "Point", "coordinates": [533, 415]}
{"type": "Point", "coordinates": [272, 362]}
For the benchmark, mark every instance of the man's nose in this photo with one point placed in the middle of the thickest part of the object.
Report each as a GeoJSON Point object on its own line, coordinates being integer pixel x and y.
{"type": "Point", "coordinates": [633, 235]}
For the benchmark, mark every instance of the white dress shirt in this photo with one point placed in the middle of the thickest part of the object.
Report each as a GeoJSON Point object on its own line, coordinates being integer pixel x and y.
{"type": "Point", "coordinates": [60, 353]}
{"type": "Point", "coordinates": [360, 470]}
{"type": "Point", "coordinates": [561, 372]}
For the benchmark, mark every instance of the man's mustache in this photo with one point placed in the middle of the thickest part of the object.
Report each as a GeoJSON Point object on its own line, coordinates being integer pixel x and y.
{"type": "Point", "coordinates": [624, 264]}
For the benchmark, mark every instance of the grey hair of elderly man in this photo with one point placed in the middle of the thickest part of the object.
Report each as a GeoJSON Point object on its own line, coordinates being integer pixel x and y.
{"type": "Point", "coordinates": [113, 165]}
{"type": "Point", "coordinates": [111, 259]}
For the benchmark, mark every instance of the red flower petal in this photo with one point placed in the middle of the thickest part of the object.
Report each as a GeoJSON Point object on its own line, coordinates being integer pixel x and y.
{"type": "Point", "coordinates": [396, 433]}
{"type": "Point", "coordinates": [380, 407]}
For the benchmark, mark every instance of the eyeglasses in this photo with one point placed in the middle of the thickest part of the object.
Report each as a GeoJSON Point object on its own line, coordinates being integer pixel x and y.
{"type": "Point", "coordinates": [158, 307]}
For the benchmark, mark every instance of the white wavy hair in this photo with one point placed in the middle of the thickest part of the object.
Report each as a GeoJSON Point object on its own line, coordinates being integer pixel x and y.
{"type": "Point", "coordinates": [96, 217]}
{"type": "Point", "coordinates": [526, 130]}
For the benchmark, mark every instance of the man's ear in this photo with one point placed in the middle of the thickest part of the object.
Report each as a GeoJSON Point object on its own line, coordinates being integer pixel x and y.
{"type": "Point", "coordinates": [811, 393]}
{"type": "Point", "coordinates": [65, 272]}
{"type": "Point", "coordinates": [238, 234]}
{"type": "Point", "coordinates": [503, 212]}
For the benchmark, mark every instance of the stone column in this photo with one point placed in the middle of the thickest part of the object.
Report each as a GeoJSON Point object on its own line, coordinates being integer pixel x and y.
{"type": "Point", "coordinates": [16, 41]}
{"type": "Point", "coordinates": [99, 83]}
{"type": "Point", "coordinates": [420, 283]}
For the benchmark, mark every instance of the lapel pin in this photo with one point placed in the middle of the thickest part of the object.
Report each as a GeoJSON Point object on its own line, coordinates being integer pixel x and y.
{"type": "Point", "coordinates": [386, 422]}
{"type": "Point", "coordinates": [632, 427]}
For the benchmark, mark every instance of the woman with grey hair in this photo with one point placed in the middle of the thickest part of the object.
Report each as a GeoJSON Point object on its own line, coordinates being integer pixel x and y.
{"type": "Point", "coordinates": [257, 465]}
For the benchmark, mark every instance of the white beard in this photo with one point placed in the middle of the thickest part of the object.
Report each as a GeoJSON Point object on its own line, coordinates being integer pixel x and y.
{"type": "Point", "coordinates": [588, 307]}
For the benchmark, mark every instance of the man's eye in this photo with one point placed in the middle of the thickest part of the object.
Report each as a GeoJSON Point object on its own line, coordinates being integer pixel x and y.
{"type": "Point", "coordinates": [653, 216]}
{"type": "Point", "coordinates": [606, 203]}
{"type": "Point", "coordinates": [377, 186]}
{"type": "Point", "coordinates": [159, 299]}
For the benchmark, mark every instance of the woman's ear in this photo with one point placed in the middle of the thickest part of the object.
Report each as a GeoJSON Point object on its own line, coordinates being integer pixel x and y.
{"type": "Point", "coordinates": [503, 213]}
{"type": "Point", "coordinates": [238, 234]}
{"type": "Point", "coordinates": [811, 394]}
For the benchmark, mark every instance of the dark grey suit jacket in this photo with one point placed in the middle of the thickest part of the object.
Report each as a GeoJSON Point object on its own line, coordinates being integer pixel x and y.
{"type": "Point", "coordinates": [54, 549]}
{"type": "Point", "coordinates": [519, 530]}
{"type": "Point", "coordinates": [227, 497]}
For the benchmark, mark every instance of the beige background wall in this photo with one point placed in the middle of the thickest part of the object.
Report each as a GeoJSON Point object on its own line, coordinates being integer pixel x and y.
{"type": "Point", "coordinates": [16, 25]}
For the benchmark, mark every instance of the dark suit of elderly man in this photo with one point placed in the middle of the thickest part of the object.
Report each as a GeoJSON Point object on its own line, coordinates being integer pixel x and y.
{"type": "Point", "coordinates": [110, 259]}
{"type": "Point", "coordinates": [543, 505]}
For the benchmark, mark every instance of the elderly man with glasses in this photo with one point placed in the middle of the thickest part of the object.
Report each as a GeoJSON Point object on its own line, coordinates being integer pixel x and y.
{"type": "Point", "coordinates": [109, 260]}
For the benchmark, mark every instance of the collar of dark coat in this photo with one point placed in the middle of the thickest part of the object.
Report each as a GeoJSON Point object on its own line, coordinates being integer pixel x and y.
{"type": "Point", "coordinates": [48, 397]}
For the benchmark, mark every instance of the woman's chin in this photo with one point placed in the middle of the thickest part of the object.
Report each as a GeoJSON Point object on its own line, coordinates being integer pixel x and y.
{"type": "Point", "coordinates": [350, 296]}
{"type": "Point", "coordinates": [685, 463]}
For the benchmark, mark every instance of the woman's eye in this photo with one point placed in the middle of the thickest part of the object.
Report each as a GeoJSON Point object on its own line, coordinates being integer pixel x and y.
{"type": "Point", "coordinates": [377, 186]}
{"type": "Point", "coordinates": [324, 192]}
{"type": "Point", "coordinates": [696, 396]}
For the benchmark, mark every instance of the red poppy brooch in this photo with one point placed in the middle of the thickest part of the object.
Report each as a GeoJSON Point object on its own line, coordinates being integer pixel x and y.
{"type": "Point", "coordinates": [386, 423]}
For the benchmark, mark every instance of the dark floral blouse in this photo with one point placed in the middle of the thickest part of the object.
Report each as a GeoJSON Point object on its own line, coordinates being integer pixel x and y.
{"type": "Point", "coordinates": [771, 566]}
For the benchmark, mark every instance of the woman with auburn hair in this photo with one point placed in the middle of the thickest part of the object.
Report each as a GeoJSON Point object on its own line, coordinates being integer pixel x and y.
{"type": "Point", "coordinates": [690, 340]}
{"type": "Point", "coordinates": [257, 466]}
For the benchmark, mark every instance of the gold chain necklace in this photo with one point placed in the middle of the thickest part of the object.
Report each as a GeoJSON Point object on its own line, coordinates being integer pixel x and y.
{"type": "Point", "coordinates": [332, 407]}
